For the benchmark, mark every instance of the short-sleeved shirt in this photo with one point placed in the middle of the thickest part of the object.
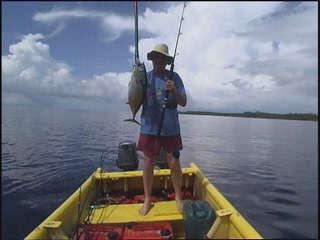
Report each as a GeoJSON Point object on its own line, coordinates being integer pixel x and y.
{"type": "Point", "coordinates": [153, 106]}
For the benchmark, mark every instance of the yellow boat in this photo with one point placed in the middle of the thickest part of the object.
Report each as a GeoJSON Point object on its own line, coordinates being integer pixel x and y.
{"type": "Point", "coordinates": [106, 206]}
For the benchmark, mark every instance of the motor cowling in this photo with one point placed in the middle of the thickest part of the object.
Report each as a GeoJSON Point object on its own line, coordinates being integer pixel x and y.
{"type": "Point", "coordinates": [127, 156]}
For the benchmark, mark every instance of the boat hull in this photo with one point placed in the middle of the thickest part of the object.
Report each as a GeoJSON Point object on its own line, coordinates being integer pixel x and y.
{"type": "Point", "coordinates": [112, 200]}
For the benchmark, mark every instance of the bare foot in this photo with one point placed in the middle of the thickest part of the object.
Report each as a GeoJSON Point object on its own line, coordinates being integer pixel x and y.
{"type": "Point", "coordinates": [147, 205]}
{"type": "Point", "coordinates": [179, 204]}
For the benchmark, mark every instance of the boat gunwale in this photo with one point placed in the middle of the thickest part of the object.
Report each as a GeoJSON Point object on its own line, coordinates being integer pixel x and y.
{"type": "Point", "coordinates": [235, 219]}
{"type": "Point", "coordinates": [99, 174]}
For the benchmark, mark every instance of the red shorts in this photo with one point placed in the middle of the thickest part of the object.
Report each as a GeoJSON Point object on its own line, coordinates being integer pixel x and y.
{"type": "Point", "coordinates": [150, 147]}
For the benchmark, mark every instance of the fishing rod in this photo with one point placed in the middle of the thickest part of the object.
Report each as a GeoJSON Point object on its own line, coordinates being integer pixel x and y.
{"type": "Point", "coordinates": [165, 100]}
{"type": "Point", "coordinates": [135, 9]}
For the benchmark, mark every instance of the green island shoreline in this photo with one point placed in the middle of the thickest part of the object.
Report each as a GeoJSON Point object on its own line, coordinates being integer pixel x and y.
{"type": "Point", "coordinates": [286, 116]}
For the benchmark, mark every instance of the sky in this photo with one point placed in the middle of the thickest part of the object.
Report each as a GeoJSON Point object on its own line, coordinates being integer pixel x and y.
{"type": "Point", "coordinates": [232, 56]}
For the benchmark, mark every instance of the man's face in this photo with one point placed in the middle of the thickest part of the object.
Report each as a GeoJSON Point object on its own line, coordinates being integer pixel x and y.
{"type": "Point", "coordinates": [159, 61]}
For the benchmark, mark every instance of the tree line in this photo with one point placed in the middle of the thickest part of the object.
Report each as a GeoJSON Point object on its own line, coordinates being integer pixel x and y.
{"type": "Point", "coordinates": [257, 114]}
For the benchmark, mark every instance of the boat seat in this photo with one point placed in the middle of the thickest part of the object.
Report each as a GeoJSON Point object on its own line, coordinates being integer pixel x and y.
{"type": "Point", "coordinates": [54, 230]}
{"type": "Point", "coordinates": [123, 213]}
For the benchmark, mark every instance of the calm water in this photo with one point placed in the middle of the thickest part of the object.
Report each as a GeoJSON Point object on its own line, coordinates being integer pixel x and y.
{"type": "Point", "coordinates": [268, 169]}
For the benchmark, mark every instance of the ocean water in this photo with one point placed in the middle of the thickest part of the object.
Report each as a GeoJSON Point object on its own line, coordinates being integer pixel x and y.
{"type": "Point", "coordinates": [267, 168]}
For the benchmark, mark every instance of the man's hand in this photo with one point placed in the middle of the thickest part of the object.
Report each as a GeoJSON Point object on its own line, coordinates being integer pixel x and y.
{"type": "Point", "coordinates": [169, 85]}
{"type": "Point", "coordinates": [180, 99]}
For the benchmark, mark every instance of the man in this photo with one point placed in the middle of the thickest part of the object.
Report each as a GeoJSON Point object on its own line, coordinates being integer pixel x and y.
{"type": "Point", "coordinates": [169, 139]}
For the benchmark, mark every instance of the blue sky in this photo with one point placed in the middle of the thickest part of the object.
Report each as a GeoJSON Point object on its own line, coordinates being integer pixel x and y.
{"type": "Point", "coordinates": [233, 56]}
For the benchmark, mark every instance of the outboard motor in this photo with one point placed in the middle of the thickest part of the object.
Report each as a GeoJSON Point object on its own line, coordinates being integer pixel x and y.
{"type": "Point", "coordinates": [127, 156]}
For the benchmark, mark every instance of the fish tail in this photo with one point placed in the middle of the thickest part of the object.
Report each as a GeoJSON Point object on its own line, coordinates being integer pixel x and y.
{"type": "Point", "coordinates": [132, 120]}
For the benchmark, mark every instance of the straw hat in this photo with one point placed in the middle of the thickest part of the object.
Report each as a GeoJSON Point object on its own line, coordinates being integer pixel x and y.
{"type": "Point", "coordinates": [162, 49]}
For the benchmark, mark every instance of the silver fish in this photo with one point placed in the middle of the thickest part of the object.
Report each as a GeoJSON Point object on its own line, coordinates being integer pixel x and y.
{"type": "Point", "coordinates": [137, 89]}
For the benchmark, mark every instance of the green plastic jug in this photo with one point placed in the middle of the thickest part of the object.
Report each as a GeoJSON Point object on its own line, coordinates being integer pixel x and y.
{"type": "Point", "coordinates": [198, 217]}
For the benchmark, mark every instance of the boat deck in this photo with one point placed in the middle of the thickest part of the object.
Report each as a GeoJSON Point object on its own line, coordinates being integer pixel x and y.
{"type": "Point", "coordinates": [161, 211]}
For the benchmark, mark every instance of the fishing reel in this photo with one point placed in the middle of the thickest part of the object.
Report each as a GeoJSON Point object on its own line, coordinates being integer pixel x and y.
{"type": "Point", "coordinates": [176, 154]}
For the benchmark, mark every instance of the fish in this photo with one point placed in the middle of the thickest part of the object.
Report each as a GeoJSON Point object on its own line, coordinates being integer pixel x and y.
{"type": "Point", "coordinates": [137, 88]}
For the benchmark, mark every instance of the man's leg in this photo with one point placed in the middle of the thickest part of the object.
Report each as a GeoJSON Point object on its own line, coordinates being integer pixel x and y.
{"type": "Point", "coordinates": [176, 178]}
{"type": "Point", "coordinates": [148, 167]}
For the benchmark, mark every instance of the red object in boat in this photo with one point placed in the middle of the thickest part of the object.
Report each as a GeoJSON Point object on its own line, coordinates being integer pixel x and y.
{"type": "Point", "coordinates": [148, 231]}
{"type": "Point", "coordinates": [184, 195]}
{"type": "Point", "coordinates": [187, 195]}
{"type": "Point", "coordinates": [140, 199]}
{"type": "Point", "coordinates": [100, 232]}
{"type": "Point", "coordinates": [137, 199]}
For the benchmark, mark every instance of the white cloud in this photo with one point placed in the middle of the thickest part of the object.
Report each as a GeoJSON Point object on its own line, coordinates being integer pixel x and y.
{"type": "Point", "coordinates": [239, 56]}
{"type": "Point", "coordinates": [111, 25]}
{"type": "Point", "coordinates": [29, 68]}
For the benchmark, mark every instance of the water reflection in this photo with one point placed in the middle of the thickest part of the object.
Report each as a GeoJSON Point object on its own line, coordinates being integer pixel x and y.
{"type": "Point", "coordinates": [266, 168]}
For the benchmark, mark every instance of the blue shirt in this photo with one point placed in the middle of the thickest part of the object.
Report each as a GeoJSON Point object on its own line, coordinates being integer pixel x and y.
{"type": "Point", "coordinates": [152, 106]}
